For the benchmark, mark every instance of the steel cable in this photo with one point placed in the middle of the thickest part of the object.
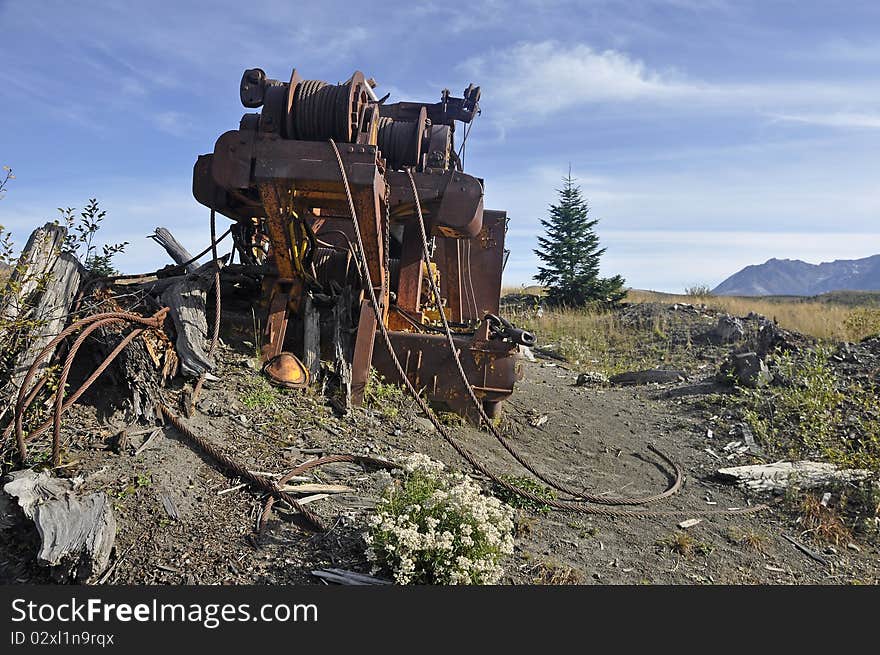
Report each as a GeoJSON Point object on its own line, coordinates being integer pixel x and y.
{"type": "Point", "coordinates": [602, 500]}
{"type": "Point", "coordinates": [321, 111]}
{"type": "Point", "coordinates": [237, 470]}
{"type": "Point", "coordinates": [23, 399]}
{"type": "Point", "coordinates": [459, 448]}
{"type": "Point", "coordinates": [396, 140]}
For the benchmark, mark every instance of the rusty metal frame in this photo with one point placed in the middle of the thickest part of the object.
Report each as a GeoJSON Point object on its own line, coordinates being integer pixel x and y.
{"type": "Point", "coordinates": [251, 169]}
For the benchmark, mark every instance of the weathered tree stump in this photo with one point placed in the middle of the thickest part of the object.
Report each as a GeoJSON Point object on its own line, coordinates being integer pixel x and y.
{"type": "Point", "coordinates": [77, 533]}
{"type": "Point", "coordinates": [40, 291]}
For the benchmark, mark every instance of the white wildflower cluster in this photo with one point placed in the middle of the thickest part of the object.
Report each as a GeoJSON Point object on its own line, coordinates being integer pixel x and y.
{"type": "Point", "coordinates": [423, 463]}
{"type": "Point", "coordinates": [434, 527]}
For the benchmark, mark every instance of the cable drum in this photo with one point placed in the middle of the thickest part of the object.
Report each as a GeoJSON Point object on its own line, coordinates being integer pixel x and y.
{"type": "Point", "coordinates": [312, 120]}
{"type": "Point", "coordinates": [401, 142]}
{"type": "Point", "coordinates": [324, 111]}
{"type": "Point", "coordinates": [396, 140]}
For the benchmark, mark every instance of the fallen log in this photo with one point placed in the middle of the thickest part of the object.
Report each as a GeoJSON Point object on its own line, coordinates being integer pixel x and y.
{"type": "Point", "coordinates": [77, 534]}
{"type": "Point", "coordinates": [779, 475]}
{"type": "Point", "coordinates": [650, 376]}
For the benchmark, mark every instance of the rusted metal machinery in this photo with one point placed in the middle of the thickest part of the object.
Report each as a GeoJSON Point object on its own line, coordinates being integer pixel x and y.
{"type": "Point", "coordinates": [279, 179]}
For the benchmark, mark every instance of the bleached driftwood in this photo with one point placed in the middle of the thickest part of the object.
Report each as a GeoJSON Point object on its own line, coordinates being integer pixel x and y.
{"type": "Point", "coordinates": [308, 488]}
{"type": "Point", "coordinates": [651, 376]}
{"type": "Point", "coordinates": [186, 298]}
{"type": "Point", "coordinates": [45, 281]}
{"type": "Point", "coordinates": [779, 475]}
{"type": "Point", "coordinates": [174, 248]}
{"type": "Point", "coordinates": [76, 533]}
{"type": "Point", "coordinates": [343, 577]}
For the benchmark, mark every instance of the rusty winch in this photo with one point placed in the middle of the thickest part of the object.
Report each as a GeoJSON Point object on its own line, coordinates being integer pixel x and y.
{"type": "Point", "coordinates": [279, 178]}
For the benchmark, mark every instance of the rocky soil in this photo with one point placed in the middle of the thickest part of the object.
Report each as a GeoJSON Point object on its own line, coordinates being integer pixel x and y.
{"type": "Point", "coordinates": [181, 521]}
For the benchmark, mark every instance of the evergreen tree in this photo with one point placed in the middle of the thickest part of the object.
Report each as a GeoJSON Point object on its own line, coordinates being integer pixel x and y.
{"type": "Point", "coordinates": [570, 252]}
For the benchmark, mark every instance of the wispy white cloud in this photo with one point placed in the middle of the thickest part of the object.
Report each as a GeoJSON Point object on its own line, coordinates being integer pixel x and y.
{"type": "Point", "coordinates": [545, 77]}
{"type": "Point", "coordinates": [174, 123]}
{"type": "Point", "coordinates": [834, 119]}
{"type": "Point", "coordinates": [530, 81]}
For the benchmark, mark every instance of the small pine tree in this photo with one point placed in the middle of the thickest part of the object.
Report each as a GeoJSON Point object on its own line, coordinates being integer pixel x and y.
{"type": "Point", "coordinates": [570, 253]}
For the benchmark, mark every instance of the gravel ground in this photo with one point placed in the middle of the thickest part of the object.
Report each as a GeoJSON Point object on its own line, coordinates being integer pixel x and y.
{"type": "Point", "coordinates": [181, 521]}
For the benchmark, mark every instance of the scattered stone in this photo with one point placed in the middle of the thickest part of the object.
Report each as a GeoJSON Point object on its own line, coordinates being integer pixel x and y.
{"type": "Point", "coordinates": [424, 424]}
{"type": "Point", "coordinates": [526, 353]}
{"type": "Point", "coordinates": [650, 376]}
{"type": "Point", "coordinates": [779, 475]}
{"type": "Point", "coordinates": [771, 337]}
{"type": "Point", "coordinates": [591, 379]}
{"type": "Point", "coordinates": [729, 329]}
{"type": "Point", "coordinates": [689, 523]}
{"type": "Point", "coordinates": [746, 369]}
{"type": "Point", "coordinates": [538, 421]}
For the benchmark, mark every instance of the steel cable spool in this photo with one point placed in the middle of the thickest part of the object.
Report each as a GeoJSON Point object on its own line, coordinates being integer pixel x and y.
{"type": "Point", "coordinates": [395, 139]}
{"type": "Point", "coordinates": [401, 142]}
{"type": "Point", "coordinates": [322, 111]}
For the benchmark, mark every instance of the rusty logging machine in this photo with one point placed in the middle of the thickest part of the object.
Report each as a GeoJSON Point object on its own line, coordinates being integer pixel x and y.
{"type": "Point", "coordinates": [289, 178]}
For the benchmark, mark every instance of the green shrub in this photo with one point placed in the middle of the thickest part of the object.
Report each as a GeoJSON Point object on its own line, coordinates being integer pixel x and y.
{"type": "Point", "coordinates": [698, 291]}
{"type": "Point", "coordinates": [258, 393]}
{"type": "Point", "coordinates": [815, 413]}
{"type": "Point", "coordinates": [520, 502]}
{"type": "Point", "coordinates": [384, 397]}
{"type": "Point", "coordinates": [862, 322]}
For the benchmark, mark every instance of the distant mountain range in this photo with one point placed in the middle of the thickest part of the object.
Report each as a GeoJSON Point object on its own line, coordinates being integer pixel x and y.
{"type": "Point", "coordinates": [792, 277]}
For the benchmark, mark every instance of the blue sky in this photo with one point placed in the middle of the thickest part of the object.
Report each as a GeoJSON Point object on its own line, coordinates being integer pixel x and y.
{"type": "Point", "coordinates": [706, 135]}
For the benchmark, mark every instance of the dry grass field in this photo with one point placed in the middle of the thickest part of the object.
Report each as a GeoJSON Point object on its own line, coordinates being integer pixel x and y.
{"type": "Point", "coordinates": [843, 316]}
{"type": "Point", "coordinates": [831, 318]}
